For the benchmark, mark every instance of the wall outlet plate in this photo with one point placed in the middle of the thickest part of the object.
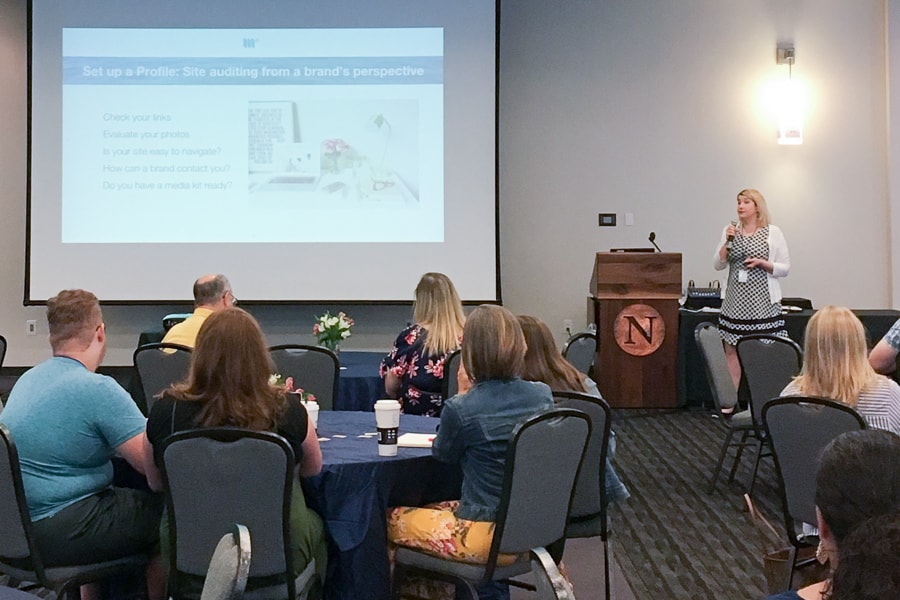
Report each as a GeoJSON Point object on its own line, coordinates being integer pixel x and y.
{"type": "Point", "coordinates": [31, 327]}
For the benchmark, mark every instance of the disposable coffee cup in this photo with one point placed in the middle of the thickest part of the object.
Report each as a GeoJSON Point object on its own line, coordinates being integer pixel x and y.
{"type": "Point", "coordinates": [387, 420]}
{"type": "Point", "coordinates": [312, 409]}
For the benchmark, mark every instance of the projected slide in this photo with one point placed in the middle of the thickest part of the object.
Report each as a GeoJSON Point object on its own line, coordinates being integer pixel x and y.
{"type": "Point", "coordinates": [265, 135]}
{"type": "Point", "coordinates": [312, 151]}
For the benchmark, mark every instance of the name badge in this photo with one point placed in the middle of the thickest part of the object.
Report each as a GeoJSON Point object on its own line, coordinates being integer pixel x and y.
{"type": "Point", "coordinates": [743, 277]}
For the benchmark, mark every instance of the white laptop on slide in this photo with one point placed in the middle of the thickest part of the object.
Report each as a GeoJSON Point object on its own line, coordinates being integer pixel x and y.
{"type": "Point", "coordinates": [277, 159]}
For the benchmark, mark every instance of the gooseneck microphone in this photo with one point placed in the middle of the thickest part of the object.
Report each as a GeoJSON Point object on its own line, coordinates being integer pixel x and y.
{"type": "Point", "coordinates": [652, 239]}
{"type": "Point", "coordinates": [731, 237]}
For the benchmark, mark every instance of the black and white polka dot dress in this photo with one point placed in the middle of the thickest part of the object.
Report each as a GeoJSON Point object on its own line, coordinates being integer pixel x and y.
{"type": "Point", "coordinates": [747, 307]}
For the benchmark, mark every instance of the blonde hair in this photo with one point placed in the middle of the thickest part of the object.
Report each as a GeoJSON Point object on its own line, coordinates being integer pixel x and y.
{"type": "Point", "coordinates": [762, 209]}
{"type": "Point", "coordinates": [493, 344]}
{"type": "Point", "coordinates": [835, 362]}
{"type": "Point", "coordinates": [439, 311]}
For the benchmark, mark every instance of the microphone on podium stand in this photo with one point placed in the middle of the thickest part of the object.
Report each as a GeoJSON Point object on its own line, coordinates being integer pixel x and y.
{"type": "Point", "coordinates": [652, 239]}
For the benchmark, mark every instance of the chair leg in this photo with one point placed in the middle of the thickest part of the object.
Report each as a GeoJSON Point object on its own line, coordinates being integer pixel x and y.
{"type": "Point", "coordinates": [607, 569]}
{"type": "Point", "coordinates": [737, 456]}
{"type": "Point", "coordinates": [792, 558]}
{"type": "Point", "coordinates": [759, 452]}
{"type": "Point", "coordinates": [715, 476]}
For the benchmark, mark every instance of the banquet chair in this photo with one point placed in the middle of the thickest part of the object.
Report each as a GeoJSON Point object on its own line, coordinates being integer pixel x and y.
{"type": "Point", "coordinates": [799, 428]}
{"type": "Point", "coordinates": [315, 369]}
{"type": "Point", "coordinates": [587, 515]}
{"type": "Point", "coordinates": [216, 477]}
{"type": "Point", "coordinates": [542, 461]}
{"type": "Point", "coordinates": [550, 583]}
{"type": "Point", "coordinates": [580, 350]}
{"type": "Point", "coordinates": [724, 397]}
{"type": "Point", "coordinates": [768, 364]}
{"type": "Point", "coordinates": [158, 366]}
{"type": "Point", "coordinates": [226, 577]}
{"type": "Point", "coordinates": [449, 386]}
{"type": "Point", "coordinates": [21, 557]}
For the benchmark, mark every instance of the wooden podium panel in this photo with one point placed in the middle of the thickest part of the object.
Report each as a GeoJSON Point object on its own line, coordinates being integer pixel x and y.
{"type": "Point", "coordinates": [629, 381]}
{"type": "Point", "coordinates": [636, 275]}
{"type": "Point", "coordinates": [635, 305]}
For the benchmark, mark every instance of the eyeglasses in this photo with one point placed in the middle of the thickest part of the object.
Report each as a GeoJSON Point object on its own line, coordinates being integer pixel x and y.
{"type": "Point", "coordinates": [234, 300]}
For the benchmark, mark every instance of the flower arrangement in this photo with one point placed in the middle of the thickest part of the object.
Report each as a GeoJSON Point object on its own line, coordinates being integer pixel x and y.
{"type": "Point", "coordinates": [331, 330]}
{"type": "Point", "coordinates": [277, 380]}
{"type": "Point", "coordinates": [338, 155]}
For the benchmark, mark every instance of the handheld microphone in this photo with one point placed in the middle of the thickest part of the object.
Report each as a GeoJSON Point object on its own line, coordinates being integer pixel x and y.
{"type": "Point", "coordinates": [652, 239]}
{"type": "Point", "coordinates": [731, 237]}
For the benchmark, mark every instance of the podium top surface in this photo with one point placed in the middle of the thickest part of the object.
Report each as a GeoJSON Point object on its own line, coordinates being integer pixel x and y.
{"type": "Point", "coordinates": [636, 275]}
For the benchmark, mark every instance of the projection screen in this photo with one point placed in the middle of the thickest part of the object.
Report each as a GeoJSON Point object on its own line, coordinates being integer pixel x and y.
{"type": "Point", "coordinates": [312, 151]}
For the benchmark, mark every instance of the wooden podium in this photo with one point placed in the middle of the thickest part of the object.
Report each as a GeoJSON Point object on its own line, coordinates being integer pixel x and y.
{"type": "Point", "coordinates": [634, 301]}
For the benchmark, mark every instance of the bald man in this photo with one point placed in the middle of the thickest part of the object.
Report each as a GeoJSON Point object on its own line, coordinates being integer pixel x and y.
{"type": "Point", "coordinates": [211, 293]}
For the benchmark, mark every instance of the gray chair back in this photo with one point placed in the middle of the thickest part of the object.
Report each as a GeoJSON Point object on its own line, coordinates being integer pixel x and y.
{"type": "Point", "coordinates": [548, 581]}
{"type": "Point", "coordinates": [15, 525]}
{"type": "Point", "coordinates": [542, 460]}
{"type": "Point", "coordinates": [20, 556]}
{"type": "Point", "coordinates": [721, 385]}
{"type": "Point", "coordinates": [158, 366]}
{"type": "Point", "coordinates": [315, 369]}
{"type": "Point", "coordinates": [450, 386]}
{"type": "Point", "coordinates": [590, 488]}
{"type": "Point", "coordinates": [542, 463]}
{"type": "Point", "coordinates": [229, 567]}
{"type": "Point", "coordinates": [768, 363]}
{"type": "Point", "coordinates": [580, 350]}
{"type": "Point", "coordinates": [799, 428]}
{"type": "Point", "coordinates": [216, 477]}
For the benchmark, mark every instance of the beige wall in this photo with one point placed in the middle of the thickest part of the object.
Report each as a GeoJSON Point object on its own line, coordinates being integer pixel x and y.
{"type": "Point", "coordinates": [649, 107]}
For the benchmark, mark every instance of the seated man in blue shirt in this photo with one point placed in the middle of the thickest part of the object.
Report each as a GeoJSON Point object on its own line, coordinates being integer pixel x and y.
{"type": "Point", "coordinates": [67, 423]}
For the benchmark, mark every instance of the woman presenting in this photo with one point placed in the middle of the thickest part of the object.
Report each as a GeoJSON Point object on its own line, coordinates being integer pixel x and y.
{"type": "Point", "coordinates": [756, 255]}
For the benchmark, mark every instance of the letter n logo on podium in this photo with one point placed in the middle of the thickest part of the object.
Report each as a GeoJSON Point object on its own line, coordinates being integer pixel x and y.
{"type": "Point", "coordinates": [639, 329]}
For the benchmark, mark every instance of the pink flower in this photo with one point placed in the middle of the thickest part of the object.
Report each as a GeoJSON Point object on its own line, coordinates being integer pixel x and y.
{"type": "Point", "coordinates": [435, 368]}
{"type": "Point", "coordinates": [335, 145]}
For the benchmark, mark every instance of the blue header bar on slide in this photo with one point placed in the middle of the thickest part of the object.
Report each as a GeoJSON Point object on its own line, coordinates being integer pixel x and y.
{"type": "Point", "coordinates": [390, 70]}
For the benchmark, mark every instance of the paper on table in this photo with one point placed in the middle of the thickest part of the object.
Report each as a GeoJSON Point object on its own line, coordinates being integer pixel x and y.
{"type": "Point", "coordinates": [415, 440]}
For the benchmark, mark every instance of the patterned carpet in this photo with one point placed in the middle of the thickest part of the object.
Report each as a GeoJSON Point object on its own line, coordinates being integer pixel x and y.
{"type": "Point", "coordinates": [672, 539]}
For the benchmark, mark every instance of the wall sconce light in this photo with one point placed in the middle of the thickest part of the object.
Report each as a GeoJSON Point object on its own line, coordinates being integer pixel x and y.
{"type": "Point", "coordinates": [790, 103]}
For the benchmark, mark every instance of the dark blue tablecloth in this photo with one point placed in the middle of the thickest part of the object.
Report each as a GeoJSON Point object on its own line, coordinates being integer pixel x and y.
{"type": "Point", "coordinates": [355, 489]}
{"type": "Point", "coordinates": [360, 385]}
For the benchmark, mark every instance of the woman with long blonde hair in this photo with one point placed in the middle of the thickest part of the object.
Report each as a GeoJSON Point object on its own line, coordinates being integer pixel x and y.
{"type": "Point", "coordinates": [414, 370]}
{"type": "Point", "coordinates": [836, 366]}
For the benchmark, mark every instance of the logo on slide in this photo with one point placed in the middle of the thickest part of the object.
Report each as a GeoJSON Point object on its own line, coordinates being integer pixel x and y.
{"type": "Point", "coordinates": [250, 42]}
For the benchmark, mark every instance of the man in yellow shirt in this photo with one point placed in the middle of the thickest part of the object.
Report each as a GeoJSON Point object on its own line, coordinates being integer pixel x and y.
{"type": "Point", "coordinates": [211, 293]}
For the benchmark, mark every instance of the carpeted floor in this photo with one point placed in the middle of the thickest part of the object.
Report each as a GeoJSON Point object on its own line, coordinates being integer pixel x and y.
{"type": "Point", "coordinates": [672, 539]}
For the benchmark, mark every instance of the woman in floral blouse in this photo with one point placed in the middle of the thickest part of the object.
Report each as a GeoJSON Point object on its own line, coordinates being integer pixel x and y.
{"type": "Point", "coordinates": [414, 370]}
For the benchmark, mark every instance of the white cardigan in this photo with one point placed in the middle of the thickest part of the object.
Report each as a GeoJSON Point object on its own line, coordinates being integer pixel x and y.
{"type": "Point", "coordinates": [778, 256]}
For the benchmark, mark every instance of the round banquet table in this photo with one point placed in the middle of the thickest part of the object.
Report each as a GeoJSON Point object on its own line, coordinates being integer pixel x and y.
{"type": "Point", "coordinates": [356, 487]}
